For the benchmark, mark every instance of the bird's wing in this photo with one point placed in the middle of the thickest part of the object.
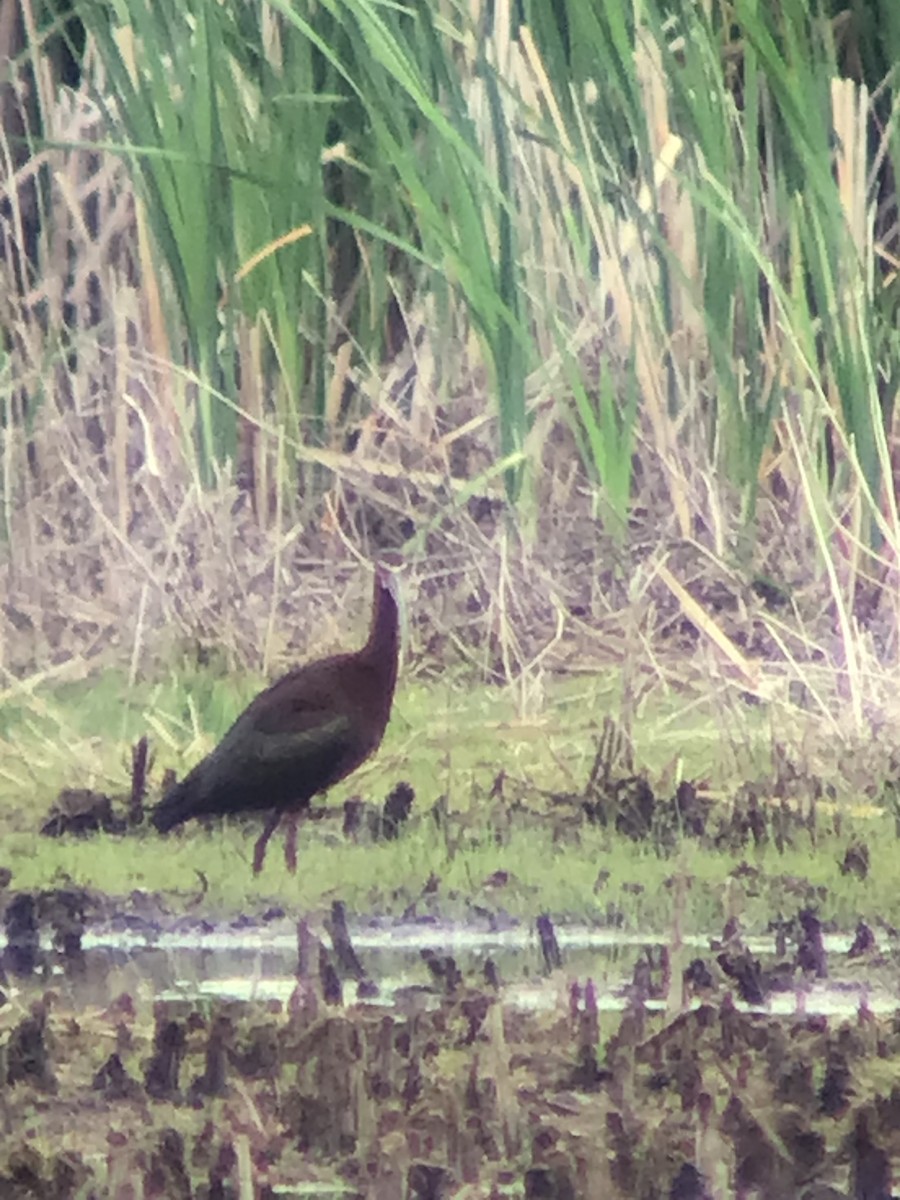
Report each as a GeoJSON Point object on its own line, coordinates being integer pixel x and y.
{"type": "Point", "coordinates": [261, 770]}
{"type": "Point", "coordinates": [325, 740]}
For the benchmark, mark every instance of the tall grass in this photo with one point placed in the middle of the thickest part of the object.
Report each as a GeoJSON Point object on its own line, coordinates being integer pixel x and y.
{"type": "Point", "coordinates": [673, 231]}
{"type": "Point", "coordinates": [711, 166]}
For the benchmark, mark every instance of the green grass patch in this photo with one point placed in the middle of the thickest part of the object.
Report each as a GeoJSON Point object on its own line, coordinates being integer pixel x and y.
{"type": "Point", "coordinates": [451, 743]}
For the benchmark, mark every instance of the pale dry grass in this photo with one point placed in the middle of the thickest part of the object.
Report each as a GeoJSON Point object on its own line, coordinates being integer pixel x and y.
{"type": "Point", "coordinates": [200, 569]}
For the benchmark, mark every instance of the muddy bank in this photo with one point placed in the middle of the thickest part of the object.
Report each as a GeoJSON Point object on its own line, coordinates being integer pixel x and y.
{"type": "Point", "coordinates": [456, 1088]}
{"type": "Point", "coordinates": [471, 1097]}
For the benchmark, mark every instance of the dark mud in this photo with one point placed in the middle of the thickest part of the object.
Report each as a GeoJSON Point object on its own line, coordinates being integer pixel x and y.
{"type": "Point", "coordinates": [456, 1089]}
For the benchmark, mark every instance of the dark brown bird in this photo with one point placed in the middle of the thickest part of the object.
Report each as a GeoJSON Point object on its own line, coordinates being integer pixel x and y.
{"type": "Point", "coordinates": [300, 736]}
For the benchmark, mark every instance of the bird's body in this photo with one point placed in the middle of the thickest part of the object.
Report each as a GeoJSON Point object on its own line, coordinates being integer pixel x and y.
{"type": "Point", "coordinates": [300, 736]}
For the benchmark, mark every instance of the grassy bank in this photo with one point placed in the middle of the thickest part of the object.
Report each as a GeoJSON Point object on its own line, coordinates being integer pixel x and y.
{"type": "Point", "coordinates": [498, 822]}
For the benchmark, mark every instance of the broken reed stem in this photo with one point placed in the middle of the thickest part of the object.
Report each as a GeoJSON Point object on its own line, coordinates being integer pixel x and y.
{"type": "Point", "coordinates": [279, 547]}
{"type": "Point", "coordinates": [244, 1167]}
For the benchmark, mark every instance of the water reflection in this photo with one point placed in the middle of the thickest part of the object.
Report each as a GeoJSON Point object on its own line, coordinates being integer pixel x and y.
{"type": "Point", "coordinates": [260, 963]}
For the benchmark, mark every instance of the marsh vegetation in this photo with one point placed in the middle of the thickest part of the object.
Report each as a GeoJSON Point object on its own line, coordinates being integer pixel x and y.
{"type": "Point", "coordinates": [587, 311]}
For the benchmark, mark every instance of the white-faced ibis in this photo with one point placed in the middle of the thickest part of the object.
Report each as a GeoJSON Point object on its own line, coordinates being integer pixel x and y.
{"type": "Point", "coordinates": [300, 736]}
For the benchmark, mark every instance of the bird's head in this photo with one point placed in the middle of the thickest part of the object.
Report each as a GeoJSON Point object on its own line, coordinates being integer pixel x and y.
{"type": "Point", "coordinates": [386, 579]}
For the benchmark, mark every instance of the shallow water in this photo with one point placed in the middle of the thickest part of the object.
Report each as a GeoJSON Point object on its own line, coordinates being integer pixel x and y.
{"type": "Point", "coordinates": [258, 962]}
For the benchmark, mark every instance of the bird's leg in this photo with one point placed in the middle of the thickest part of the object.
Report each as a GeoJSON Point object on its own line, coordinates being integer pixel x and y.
{"type": "Point", "coordinates": [259, 850]}
{"type": "Point", "coordinates": [290, 843]}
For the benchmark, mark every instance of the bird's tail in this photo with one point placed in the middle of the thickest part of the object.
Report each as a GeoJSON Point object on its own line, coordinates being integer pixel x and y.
{"type": "Point", "coordinates": [179, 804]}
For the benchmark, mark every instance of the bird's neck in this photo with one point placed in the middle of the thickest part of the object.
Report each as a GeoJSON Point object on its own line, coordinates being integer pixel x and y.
{"type": "Point", "coordinates": [383, 646]}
